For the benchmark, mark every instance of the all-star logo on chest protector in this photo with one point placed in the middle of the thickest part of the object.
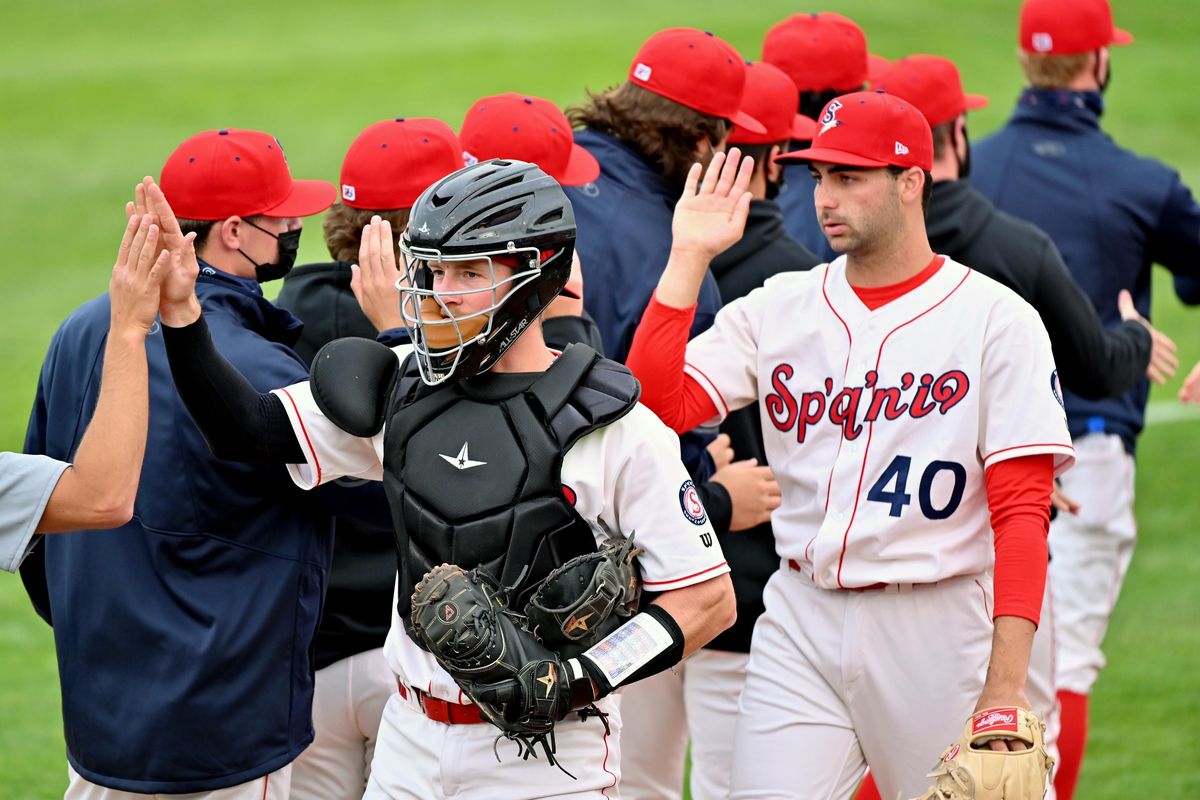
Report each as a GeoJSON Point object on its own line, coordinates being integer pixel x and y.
{"type": "Point", "coordinates": [463, 459]}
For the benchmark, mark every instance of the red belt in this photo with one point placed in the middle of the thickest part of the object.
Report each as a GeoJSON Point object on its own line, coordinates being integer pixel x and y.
{"type": "Point", "coordinates": [440, 710]}
{"type": "Point", "coordinates": [871, 588]}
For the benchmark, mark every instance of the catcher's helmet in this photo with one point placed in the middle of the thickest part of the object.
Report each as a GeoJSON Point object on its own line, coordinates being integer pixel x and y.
{"type": "Point", "coordinates": [495, 211]}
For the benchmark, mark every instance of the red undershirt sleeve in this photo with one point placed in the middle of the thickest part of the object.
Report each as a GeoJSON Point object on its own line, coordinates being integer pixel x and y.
{"type": "Point", "coordinates": [1018, 494]}
{"type": "Point", "coordinates": [656, 358]}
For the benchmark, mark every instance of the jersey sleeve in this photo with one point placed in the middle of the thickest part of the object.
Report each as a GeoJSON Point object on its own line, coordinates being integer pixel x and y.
{"type": "Point", "coordinates": [330, 452]}
{"type": "Point", "coordinates": [26, 483]}
{"type": "Point", "coordinates": [724, 359]}
{"type": "Point", "coordinates": [652, 498]}
{"type": "Point", "coordinates": [1021, 408]}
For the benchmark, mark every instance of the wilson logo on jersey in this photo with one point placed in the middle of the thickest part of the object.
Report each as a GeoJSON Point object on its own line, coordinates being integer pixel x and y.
{"type": "Point", "coordinates": [914, 397]}
{"type": "Point", "coordinates": [689, 501]}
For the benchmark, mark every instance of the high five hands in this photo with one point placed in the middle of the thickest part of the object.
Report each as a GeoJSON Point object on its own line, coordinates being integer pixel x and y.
{"type": "Point", "coordinates": [179, 306]}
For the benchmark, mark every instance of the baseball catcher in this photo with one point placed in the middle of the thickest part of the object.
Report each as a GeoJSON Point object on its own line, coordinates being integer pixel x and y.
{"type": "Point", "coordinates": [526, 671]}
{"type": "Point", "coordinates": [969, 770]}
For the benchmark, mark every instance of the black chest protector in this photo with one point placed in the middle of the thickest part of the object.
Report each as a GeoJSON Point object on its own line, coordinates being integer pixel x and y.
{"type": "Point", "coordinates": [472, 469]}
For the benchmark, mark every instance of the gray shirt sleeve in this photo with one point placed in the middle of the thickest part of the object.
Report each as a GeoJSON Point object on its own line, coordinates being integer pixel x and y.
{"type": "Point", "coordinates": [26, 483]}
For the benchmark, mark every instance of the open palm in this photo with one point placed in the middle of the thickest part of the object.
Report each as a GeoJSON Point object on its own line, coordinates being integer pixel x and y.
{"type": "Point", "coordinates": [711, 215]}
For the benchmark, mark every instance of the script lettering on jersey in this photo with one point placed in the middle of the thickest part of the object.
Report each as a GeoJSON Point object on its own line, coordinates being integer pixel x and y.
{"type": "Point", "coordinates": [853, 407]}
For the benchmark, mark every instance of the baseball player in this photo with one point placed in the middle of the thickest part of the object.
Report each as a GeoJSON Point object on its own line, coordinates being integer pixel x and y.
{"type": "Point", "coordinates": [39, 494]}
{"type": "Point", "coordinates": [1111, 214]}
{"type": "Point", "coordinates": [497, 453]}
{"type": "Point", "coordinates": [684, 89]}
{"type": "Point", "coordinates": [386, 167]}
{"type": "Point", "coordinates": [825, 55]}
{"type": "Point", "coordinates": [1092, 360]}
{"type": "Point", "coordinates": [909, 407]}
{"type": "Point", "coordinates": [699, 700]}
{"type": "Point", "coordinates": [177, 675]}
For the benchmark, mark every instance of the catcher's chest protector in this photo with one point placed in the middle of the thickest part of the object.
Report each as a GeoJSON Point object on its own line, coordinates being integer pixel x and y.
{"type": "Point", "coordinates": [474, 479]}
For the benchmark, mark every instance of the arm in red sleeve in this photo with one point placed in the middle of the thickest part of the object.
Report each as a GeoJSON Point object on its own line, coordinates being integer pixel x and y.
{"type": "Point", "coordinates": [1018, 494]}
{"type": "Point", "coordinates": [656, 358]}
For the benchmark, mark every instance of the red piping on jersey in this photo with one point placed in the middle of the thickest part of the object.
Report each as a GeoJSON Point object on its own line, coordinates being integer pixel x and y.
{"type": "Point", "coordinates": [304, 430]}
{"type": "Point", "coordinates": [685, 577]}
{"type": "Point", "coordinates": [871, 425]}
{"type": "Point", "coordinates": [604, 765]}
{"type": "Point", "coordinates": [266, 784]}
{"type": "Point", "coordinates": [711, 385]}
{"type": "Point", "coordinates": [983, 592]}
{"type": "Point", "coordinates": [1023, 446]}
{"type": "Point", "coordinates": [845, 371]}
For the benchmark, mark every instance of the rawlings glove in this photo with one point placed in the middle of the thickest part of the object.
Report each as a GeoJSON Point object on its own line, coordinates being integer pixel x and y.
{"type": "Point", "coordinates": [519, 685]}
{"type": "Point", "coordinates": [586, 599]}
{"type": "Point", "coordinates": [968, 770]}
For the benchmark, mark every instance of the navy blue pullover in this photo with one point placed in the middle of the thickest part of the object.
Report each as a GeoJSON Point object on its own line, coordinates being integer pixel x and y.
{"type": "Point", "coordinates": [1111, 213]}
{"type": "Point", "coordinates": [184, 638]}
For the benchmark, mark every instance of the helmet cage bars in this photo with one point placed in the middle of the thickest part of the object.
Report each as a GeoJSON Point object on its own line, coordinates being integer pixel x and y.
{"type": "Point", "coordinates": [439, 336]}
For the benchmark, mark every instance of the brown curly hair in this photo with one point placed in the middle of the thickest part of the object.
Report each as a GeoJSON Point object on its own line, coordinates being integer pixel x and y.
{"type": "Point", "coordinates": [661, 130]}
{"type": "Point", "coordinates": [344, 225]}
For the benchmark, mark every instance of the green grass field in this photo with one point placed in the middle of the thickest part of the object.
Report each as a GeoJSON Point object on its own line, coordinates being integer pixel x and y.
{"type": "Point", "coordinates": [96, 95]}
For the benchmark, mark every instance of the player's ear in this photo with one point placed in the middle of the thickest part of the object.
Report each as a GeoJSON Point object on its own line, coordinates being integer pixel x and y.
{"type": "Point", "coordinates": [773, 170]}
{"type": "Point", "coordinates": [912, 185]}
{"type": "Point", "coordinates": [229, 231]}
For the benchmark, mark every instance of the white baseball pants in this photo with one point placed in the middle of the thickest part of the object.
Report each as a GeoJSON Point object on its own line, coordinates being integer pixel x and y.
{"type": "Point", "coordinates": [274, 786]}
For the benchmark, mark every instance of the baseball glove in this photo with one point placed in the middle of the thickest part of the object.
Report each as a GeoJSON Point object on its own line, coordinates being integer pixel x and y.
{"type": "Point", "coordinates": [518, 684]}
{"type": "Point", "coordinates": [968, 770]}
{"type": "Point", "coordinates": [586, 599]}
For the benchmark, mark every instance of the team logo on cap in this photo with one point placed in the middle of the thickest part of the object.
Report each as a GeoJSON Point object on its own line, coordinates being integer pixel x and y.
{"type": "Point", "coordinates": [829, 118]}
{"type": "Point", "coordinates": [642, 72]}
{"type": "Point", "coordinates": [689, 501]}
{"type": "Point", "coordinates": [347, 192]}
{"type": "Point", "coordinates": [901, 150]}
{"type": "Point", "coordinates": [1043, 42]}
{"type": "Point", "coordinates": [468, 159]}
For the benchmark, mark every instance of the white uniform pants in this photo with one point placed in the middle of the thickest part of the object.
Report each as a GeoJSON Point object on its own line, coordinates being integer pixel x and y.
{"type": "Point", "coordinates": [838, 680]}
{"type": "Point", "coordinates": [699, 699]}
{"type": "Point", "coordinates": [1040, 688]}
{"type": "Point", "coordinates": [1089, 556]}
{"type": "Point", "coordinates": [347, 706]}
{"type": "Point", "coordinates": [274, 786]}
{"type": "Point", "coordinates": [417, 758]}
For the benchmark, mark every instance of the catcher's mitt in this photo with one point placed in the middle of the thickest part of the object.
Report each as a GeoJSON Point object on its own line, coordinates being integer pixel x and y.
{"type": "Point", "coordinates": [518, 684]}
{"type": "Point", "coordinates": [586, 599]}
{"type": "Point", "coordinates": [969, 770]}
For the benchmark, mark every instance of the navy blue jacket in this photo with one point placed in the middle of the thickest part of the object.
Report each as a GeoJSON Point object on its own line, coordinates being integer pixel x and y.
{"type": "Point", "coordinates": [624, 238]}
{"type": "Point", "coordinates": [795, 200]}
{"type": "Point", "coordinates": [184, 637]}
{"type": "Point", "coordinates": [1111, 213]}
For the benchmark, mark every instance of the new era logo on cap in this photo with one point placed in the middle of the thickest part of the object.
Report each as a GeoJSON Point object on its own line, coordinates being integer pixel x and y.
{"type": "Point", "coordinates": [901, 150]}
{"type": "Point", "coordinates": [469, 159]}
{"type": "Point", "coordinates": [347, 192]}
{"type": "Point", "coordinates": [642, 72]}
{"type": "Point", "coordinates": [1043, 42]}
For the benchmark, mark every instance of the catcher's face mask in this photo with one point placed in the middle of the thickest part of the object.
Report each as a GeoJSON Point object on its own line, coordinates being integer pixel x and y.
{"type": "Point", "coordinates": [454, 306]}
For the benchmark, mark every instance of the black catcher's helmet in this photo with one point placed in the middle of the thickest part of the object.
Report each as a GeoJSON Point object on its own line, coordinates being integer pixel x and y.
{"type": "Point", "coordinates": [498, 211]}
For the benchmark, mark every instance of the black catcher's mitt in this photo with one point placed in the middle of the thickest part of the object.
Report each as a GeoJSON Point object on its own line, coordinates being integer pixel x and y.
{"type": "Point", "coordinates": [586, 599]}
{"type": "Point", "coordinates": [519, 685]}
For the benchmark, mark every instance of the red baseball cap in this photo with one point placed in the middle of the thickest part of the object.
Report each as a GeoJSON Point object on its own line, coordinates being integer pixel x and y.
{"type": "Point", "coordinates": [932, 84]}
{"type": "Point", "coordinates": [696, 70]}
{"type": "Point", "coordinates": [390, 163]}
{"type": "Point", "coordinates": [876, 66]}
{"type": "Point", "coordinates": [529, 129]}
{"type": "Point", "coordinates": [818, 51]}
{"type": "Point", "coordinates": [771, 97]}
{"type": "Point", "coordinates": [231, 172]}
{"type": "Point", "coordinates": [870, 129]}
{"type": "Point", "coordinates": [1063, 27]}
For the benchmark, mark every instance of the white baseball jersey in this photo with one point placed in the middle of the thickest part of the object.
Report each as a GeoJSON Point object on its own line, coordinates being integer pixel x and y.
{"type": "Point", "coordinates": [626, 476]}
{"type": "Point", "coordinates": [879, 424]}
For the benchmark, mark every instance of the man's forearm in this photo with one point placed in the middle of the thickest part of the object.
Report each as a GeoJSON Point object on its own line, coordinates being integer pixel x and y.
{"type": "Point", "coordinates": [679, 286]}
{"type": "Point", "coordinates": [1012, 641]}
{"type": "Point", "coordinates": [99, 489]}
{"type": "Point", "coordinates": [702, 610]}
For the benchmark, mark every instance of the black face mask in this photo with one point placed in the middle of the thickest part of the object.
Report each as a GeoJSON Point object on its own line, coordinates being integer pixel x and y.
{"type": "Point", "coordinates": [964, 162]}
{"type": "Point", "coordinates": [289, 245]}
{"type": "Point", "coordinates": [1104, 84]}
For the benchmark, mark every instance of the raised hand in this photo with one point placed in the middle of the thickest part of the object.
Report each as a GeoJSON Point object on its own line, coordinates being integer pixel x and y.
{"type": "Point", "coordinates": [711, 215]}
{"type": "Point", "coordinates": [1163, 361]}
{"type": "Point", "coordinates": [373, 278]}
{"type": "Point", "coordinates": [1190, 393]}
{"type": "Point", "coordinates": [136, 277]}
{"type": "Point", "coordinates": [179, 305]}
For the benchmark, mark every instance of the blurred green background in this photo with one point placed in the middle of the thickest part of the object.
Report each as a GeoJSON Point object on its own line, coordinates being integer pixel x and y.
{"type": "Point", "coordinates": [95, 95]}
